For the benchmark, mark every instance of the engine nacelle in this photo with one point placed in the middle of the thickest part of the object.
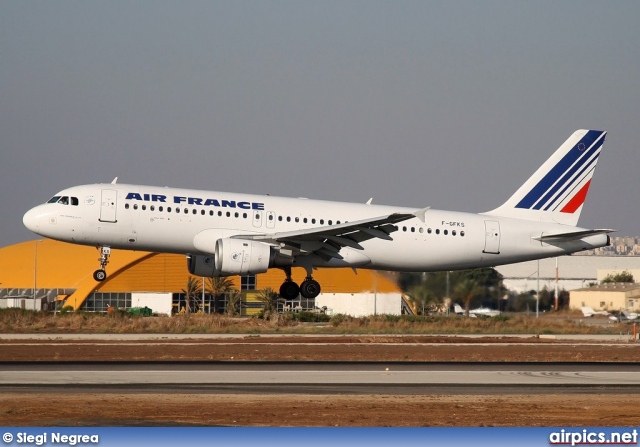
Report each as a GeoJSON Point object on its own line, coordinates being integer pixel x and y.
{"type": "Point", "coordinates": [202, 266]}
{"type": "Point", "coordinates": [241, 257]}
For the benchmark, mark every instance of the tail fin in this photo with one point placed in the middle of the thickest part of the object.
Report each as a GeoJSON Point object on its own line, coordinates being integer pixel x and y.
{"type": "Point", "coordinates": [558, 189]}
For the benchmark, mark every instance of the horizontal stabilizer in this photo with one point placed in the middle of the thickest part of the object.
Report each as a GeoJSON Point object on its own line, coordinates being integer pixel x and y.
{"type": "Point", "coordinates": [571, 236]}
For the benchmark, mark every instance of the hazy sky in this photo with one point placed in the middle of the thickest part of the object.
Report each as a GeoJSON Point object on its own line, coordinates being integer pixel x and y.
{"type": "Point", "coordinates": [448, 104]}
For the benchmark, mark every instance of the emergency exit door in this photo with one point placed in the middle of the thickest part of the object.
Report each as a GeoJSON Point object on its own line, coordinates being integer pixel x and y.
{"type": "Point", "coordinates": [108, 205]}
{"type": "Point", "coordinates": [491, 237]}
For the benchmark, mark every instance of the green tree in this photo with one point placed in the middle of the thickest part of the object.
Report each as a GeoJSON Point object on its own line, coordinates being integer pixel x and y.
{"type": "Point", "coordinates": [467, 290]}
{"type": "Point", "coordinates": [269, 299]}
{"type": "Point", "coordinates": [618, 277]}
{"type": "Point", "coordinates": [233, 302]}
{"type": "Point", "coordinates": [423, 299]}
{"type": "Point", "coordinates": [192, 292]}
{"type": "Point", "coordinates": [219, 288]}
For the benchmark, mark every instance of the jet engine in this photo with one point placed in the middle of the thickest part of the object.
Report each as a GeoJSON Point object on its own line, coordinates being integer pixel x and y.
{"type": "Point", "coordinates": [237, 257]}
{"type": "Point", "coordinates": [241, 257]}
{"type": "Point", "coordinates": [202, 266]}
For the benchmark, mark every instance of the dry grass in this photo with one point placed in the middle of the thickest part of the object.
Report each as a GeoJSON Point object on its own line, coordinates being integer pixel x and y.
{"type": "Point", "coordinates": [20, 321]}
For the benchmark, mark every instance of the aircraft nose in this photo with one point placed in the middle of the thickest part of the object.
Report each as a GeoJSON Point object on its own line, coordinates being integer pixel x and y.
{"type": "Point", "coordinates": [32, 218]}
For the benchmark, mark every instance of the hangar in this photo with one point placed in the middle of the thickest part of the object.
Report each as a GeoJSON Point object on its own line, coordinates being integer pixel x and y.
{"type": "Point", "coordinates": [574, 272]}
{"type": "Point", "coordinates": [47, 274]}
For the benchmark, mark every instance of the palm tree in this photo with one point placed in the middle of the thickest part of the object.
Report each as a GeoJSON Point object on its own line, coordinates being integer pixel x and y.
{"type": "Point", "coordinates": [219, 287]}
{"type": "Point", "coordinates": [422, 298]}
{"type": "Point", "coordinates": [269, 300]}
{"type": "Point", "coordinates": [233, 302]}
{"type": "Point", "coordinates": [467, 290]}
{"type": "Point", "coordinates": [191, 292]}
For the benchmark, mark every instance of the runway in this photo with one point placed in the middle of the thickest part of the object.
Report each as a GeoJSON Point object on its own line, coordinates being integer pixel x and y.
{"type": "Point", "coordinates": [325, 378]}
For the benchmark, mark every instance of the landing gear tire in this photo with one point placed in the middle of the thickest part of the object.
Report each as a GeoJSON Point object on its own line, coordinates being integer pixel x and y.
{"type": "Point", "coordinates": [289, 290]}
{"type": "Point", "coordinates": [310, 288]}
{"type": "Point", "coordinates": [100, 275]}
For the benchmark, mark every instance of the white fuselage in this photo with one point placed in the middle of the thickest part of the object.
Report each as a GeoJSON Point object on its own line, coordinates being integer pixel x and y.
{"type": "Point", "coordinates": [160, 219]}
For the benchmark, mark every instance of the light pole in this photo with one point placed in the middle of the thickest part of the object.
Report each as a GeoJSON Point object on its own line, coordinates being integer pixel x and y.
{"type": "Point", "coordinates": [538, 291]}
{"type": "Point", "coordinates": [35, 270]}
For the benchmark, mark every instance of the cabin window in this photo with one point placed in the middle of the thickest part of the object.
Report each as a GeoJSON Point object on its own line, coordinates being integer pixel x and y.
{"type": "Point", "coordinates": [446, 232]}
{"type": "Point", "coordinates": [462, 233]}
{"type": "Point", "coordinates": [74, 201]}
{"type": "Point", "coordinates": [453, 232]}
{"type": "Point", "coordinates": [152, 208]}
{"type": "Point", "coordinates": [437, 231]}
{"type": "Point", "coordinates": [126, 206]}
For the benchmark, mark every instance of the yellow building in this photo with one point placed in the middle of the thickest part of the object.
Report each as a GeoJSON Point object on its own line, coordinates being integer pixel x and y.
{"type": "Point", "coordinates": [52, 271]}
{"type": "Point", "coordinates": [609, 297]}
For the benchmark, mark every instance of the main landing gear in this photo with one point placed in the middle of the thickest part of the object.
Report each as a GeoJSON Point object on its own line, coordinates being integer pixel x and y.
{"type": "Point", "coordinates": [289, 290]}
{"type": "Point", "coordinates": [100, 274]}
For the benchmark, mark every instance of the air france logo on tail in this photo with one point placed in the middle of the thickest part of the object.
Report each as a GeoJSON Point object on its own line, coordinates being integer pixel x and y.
{"type": "Point", "coordinates": [564, 187]}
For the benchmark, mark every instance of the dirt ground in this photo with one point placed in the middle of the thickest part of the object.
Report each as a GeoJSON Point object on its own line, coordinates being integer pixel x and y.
{"type": "Point", "coordinates": [56, 408]}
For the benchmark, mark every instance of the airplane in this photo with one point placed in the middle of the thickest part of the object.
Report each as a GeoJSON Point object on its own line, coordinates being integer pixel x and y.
{"type": "Point", "coordinates": [226, 234]}
{"type": "Point", "coordinates": [621, 316]}
{"type": "Point", "coordinates": [588, 312]}
{"type": "Point", "coordinates": [478, 312]}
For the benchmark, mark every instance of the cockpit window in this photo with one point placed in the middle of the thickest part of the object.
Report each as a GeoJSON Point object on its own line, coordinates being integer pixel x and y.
{"type": "Point", "coordinates": [64, 200]}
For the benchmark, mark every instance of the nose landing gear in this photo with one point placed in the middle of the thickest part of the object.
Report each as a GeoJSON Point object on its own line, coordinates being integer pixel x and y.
{"type": "Point", "coordinates": [100, 274]}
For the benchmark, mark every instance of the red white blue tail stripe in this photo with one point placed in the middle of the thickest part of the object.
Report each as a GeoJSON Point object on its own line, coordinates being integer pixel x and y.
{"type": "Point", "coordinates": [565, 187]}
{"type": "Point", "coordinates": [558, 189]}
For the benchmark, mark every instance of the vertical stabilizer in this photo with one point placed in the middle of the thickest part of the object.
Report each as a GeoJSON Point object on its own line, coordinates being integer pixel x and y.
{"type": "Point", "coordinates": [557, 190]}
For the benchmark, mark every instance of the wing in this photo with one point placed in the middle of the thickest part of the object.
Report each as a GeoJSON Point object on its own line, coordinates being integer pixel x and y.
{"type": "Point", "coordinates": [327, 241]}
